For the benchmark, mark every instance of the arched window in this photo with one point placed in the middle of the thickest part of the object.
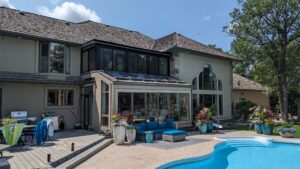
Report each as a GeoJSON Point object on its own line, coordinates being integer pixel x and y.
{"type": "Point", "coordinates": [207, 79]}
{"type": "Point", "coordinates": [194, 84]}
{"type": "Point", "coordinates": [220, 86]}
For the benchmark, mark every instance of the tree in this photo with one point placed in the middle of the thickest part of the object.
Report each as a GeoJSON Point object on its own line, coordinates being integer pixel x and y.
{"type": "Point", "coordinates": [268, 29]}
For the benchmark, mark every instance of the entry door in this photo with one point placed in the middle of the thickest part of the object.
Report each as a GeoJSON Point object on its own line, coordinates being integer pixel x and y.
{"type": "Point", "coordinates": [0, 103]}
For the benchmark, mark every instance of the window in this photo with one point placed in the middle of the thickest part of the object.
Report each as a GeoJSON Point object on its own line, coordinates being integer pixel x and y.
{"type": "Point", "coordinates": [141, 63]}
{"type": "Point", "coordinates": [184, 106]}
{"type": "Point", "coordinates": [139, 106]}
{"type": "Point", "coordinates": [220, 105]}
{"type": "Point", "coordinates": [194, 84]}
{"type": "Point", "coordinates": [106, 58]}
{"type": "Point", "coordinates": [60, 97]}
{"type": "Point", "coordinates": [92, 59]}
{"type": "Point", "coordinates": [163, 66]}
{"type": "Point", "coordinates": [124, 103]}
{"type": "Point", "coordinates": [220, 86]}
{"type": "Point", "coordinates": [104, 104]}
{"type": "Point", "coordinates": [207, 79]}
{"type": "Point", "coordinates": [132, 62]}
{"type": "Point", "coordinates": [195, 103]}
{"type": "Point", "coordinates": [152, 105]}
{"type": "Point", "coordinates": [85, 62]}
{"type": "Point", "coordinates": [119, 60]}
{"type": "Point", "coordinates": [164, 103]}
{"type": "Point", "coordinates": [54, 58]}
{"type": "Point", "coordinates": [153, 64]}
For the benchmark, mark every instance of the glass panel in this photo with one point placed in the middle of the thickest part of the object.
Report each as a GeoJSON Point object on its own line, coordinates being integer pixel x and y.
{"type": "Point", "coordinates": [220, 105]}
{"type": "Point", "coordinates": [153, 64]}
{"type": "Point", "coordinates": [220, 86]}
{"type": "Point", "coordinates": [104, 121]}
{"type": "Point", "coordinates": [104, 98]}
{"type": "Point", "coordinates": [106, 59]}
{"type": "Point", "coordinates": [44, 57]}
{"type": "Point", "coordinates": [84, 61]}
{"type": "Point", "coordinates": [195, 105]}
{"type": "Point", "coordinates": [124, 103]}
{"type": "Point", "coordinates": [67, 60]}
{"type": "Point", "coordinates": [163, 66]}
{"type": "Point", "coordinates": [68, 97]}
{"type": "Point", "coordinates": [60, 97]}
{"type": "Point", "coordinates": [139, 106]}
{"type": "Point", "coordinates": [201, 81]}
{"type": "Point", "coordinates": [152, 105]}
{"type": "Point", "coordinates": [92, 59]}
{"type": "Point", "coordinates": [132, 62]}
{"type": "Point", "coordinates": [53, 97]}
{"type": "Point", "coordinates": [184, 107]}
{"type": "Point", "coordinates": [194, 84]}
{"type": "Point", "coordinates": [119, 60]}
{"type": "Point", "coordinates": [56, 58]}
{"type": "Point", "coordinates": [209, 79]}
{"type": "Point", "coordinates": [174, 106]}
{"type": "Point", "coordinates": [163, 103]}
{"type": "Point", "coordinates": [142, 66]}
{"type": "Point", "coordinates": [207, 100]}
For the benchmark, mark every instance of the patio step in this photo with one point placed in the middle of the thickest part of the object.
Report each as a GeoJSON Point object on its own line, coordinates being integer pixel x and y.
{"type": "Point", "coordinates": [85, 155]}
{"type": "Point", "coordinates": [76, 153]}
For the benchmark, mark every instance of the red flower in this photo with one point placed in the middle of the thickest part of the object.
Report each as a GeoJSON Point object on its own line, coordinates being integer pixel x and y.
{"type": "Point", "coordinates": [202, 115]}
{"type": "Point", "coordinates": [269, 114]}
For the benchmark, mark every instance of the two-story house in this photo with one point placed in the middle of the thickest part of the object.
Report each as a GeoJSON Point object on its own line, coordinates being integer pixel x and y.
{"type": "Point", "coordinates": [96, 70]}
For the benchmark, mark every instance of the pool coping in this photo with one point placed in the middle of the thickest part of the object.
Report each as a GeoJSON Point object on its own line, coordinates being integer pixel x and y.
{"type": "Point", "coordinates": [222, 141]}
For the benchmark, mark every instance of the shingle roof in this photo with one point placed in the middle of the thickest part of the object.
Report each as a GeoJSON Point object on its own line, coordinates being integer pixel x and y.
{"type": "Point", "coordinates": [24, 23]}
{"type": "Point", "coordinates": [242, 83]}
{"type": "Point", "coordinates": [175, 40]}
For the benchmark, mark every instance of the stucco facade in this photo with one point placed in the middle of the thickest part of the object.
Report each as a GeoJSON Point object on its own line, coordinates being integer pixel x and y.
{"type": "Point", "coordinates": [257, 97]}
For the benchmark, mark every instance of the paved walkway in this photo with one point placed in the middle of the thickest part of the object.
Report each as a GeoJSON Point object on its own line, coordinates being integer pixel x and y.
{"type": "Point", "coordinates": [139, 155]}
{"type": "Point", "coordinates": [28, 157]}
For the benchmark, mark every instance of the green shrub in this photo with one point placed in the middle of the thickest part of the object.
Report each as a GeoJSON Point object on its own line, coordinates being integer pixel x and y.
{"type": "Point", "coordinates": [243, 108]}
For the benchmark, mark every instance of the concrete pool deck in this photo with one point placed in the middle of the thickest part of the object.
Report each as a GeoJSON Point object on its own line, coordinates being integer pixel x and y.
{"type": "Point", "coordinates": [139, 155]}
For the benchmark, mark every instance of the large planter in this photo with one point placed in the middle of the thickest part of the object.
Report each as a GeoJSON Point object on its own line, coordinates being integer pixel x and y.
{"type": "Point", "coordinates": [130, 135]}
{"type": "Point", "coordinates": [267, 129]}
{"type": "Point", "coordinates": [119, 134]}
{"type": "Point", "coordinates": [202, 128]}
{"type": "Point", "coordinates": [210, 127]}
{"type": "Point", "coordinates": [258, 128]}
{"type": "Point", "coordinates": [287, 134]}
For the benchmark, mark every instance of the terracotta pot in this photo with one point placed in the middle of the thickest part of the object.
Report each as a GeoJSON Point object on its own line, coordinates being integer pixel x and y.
{"type": "Point", "coordinates": [119, 134]}
{"type": "Point", "coordinates": [130, 135]}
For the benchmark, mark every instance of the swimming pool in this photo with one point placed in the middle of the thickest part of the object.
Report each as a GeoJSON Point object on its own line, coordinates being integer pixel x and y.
{"type": "Point", "coordinates": [244, 153]}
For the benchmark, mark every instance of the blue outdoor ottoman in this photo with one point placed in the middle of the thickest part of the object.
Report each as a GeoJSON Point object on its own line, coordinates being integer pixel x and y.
{"type": "Point", "coordinates": [173, 135]}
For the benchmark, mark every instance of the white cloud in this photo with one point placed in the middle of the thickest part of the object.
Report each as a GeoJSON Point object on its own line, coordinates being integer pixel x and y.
{"type": "Point", "coordinates": [206, 18]}
{"type": "Point", "coordinates": [54, 1]}
{"type": "Point", "coordinates": [71, 11]}
{"type": "Point", "coordinates": [6, 3]}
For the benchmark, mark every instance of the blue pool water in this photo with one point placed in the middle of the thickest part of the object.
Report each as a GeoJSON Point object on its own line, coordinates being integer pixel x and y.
{"type": "Point", "coordinates": [245, 153]}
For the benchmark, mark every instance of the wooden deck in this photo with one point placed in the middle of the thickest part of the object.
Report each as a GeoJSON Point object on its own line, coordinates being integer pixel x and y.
{"type": "Point", "coordinates": [32, 156]}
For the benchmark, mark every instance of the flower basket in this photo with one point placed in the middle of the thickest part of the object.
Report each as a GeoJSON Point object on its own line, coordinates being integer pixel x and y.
{"type": "Point", "coordinates": [287, 132]}
{"type": "Point", "coordinates": [119, 134]}
{"type": "Point", "coordinates": [130, 135]}
{"type": "Point", "coordinates": [202, 128]}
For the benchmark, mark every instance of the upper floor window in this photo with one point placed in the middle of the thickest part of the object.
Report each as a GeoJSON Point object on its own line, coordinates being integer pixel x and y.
{"type": "Point", "coordinates": [207, 79]}
{"type": "Point", "coordinates": [119, 60]}
{"type": "Point", "coordinates": [141, 63]}
{"type": "Point", "coordinates": [163, 66]}
{"type": "Point", "coordinates": [153, 64]}
{"type": "Point", "coordinates": [54, 58]}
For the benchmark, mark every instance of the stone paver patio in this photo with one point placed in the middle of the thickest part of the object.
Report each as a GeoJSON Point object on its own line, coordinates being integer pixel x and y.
{"type": "Point", "coordinates": [139, 155]}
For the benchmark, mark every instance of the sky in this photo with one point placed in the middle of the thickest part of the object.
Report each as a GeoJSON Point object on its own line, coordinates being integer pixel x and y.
{"type": "Point", "coordinates": [201, 20]}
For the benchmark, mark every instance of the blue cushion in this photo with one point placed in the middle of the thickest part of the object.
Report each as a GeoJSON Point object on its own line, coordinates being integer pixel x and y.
{"type": "Point", "coordinates": [174, 132]}
{"type": "Point", "coordinates": [142, 126]}
{"type": "Point", "coordinates": [152, 125]}
{"type": "Point", "coordinates": [158, 131]}
{"type": "Point", "coordinates": [162, 125]}
{"type": "Point", "coordinates": [170, 124]}
{"type": "Point", "coordinates": [141, 133]}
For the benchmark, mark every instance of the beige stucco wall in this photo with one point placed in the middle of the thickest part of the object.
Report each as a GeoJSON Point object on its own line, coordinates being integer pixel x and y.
{"type": "Point", "coordinates": [189, 66]}
{"type": "Point", "coordinates": [21, 55]}
{"type": "Point", "coordinates": [257, 97]}
{"type": "Point", "coordinates": [32, 98]}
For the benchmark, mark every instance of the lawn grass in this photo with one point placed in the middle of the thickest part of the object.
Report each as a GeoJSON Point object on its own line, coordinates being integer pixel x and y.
{"type": "Point", "coordinates": [246, 127]}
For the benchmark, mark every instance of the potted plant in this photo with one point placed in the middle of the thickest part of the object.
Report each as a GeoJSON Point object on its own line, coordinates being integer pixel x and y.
{"type": "Point", "coordinates": [202, 120]}
{"type": "Point", "coordinates": [130, 128]}
{"type": "Point", "coordinates": [267, 126]}
{"type": "Point", "coordinates": [257, 118]}
{"type": "Point", "coordinates": [287, 131]}
{"type": "Point", "coordinates": [118, 128]}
